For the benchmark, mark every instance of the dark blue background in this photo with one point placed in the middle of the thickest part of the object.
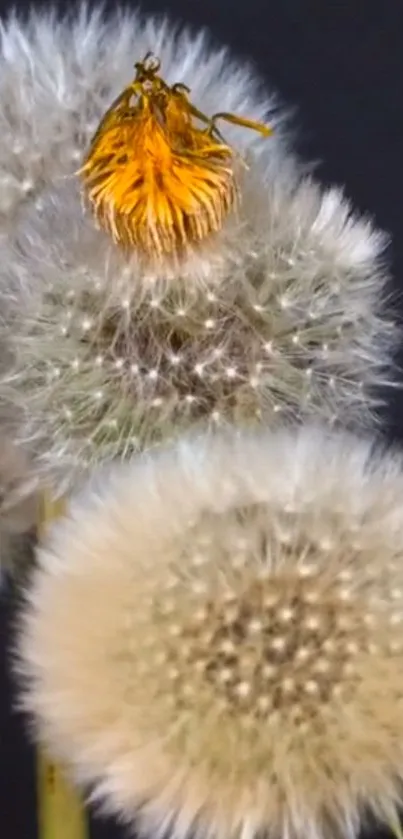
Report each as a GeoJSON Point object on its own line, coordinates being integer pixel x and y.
{"type": "Point", "coordinates": [340, 64]}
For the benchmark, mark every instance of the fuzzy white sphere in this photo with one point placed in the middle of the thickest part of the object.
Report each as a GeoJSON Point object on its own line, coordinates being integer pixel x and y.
{"type": "Point", "coordinates": [213, 638]}
{"type": "Point", "coordinates": [279, 316]}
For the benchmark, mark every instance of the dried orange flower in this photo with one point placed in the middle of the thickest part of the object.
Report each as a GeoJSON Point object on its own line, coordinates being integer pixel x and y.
{"type": "Point", "coordinates": [159, 176]}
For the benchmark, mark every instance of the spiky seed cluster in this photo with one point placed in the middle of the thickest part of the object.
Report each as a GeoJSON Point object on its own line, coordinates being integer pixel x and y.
{"type": "Point", "coordinates": [287, 327]}
{"type": "Point", "coordinates": [158, 175]}
{"type": "Point", "coordinates": [214, 637]}
{"type": "Point", "coordinates": [274, 649]}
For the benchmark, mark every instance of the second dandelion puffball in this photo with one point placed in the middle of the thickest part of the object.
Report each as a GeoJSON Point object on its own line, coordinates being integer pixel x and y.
{"type": "Point", "coordinates": [213, 639]}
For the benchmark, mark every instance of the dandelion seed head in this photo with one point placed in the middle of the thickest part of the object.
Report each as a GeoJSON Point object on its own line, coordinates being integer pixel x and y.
{"type": "Point", "coordinates": [251, 669]}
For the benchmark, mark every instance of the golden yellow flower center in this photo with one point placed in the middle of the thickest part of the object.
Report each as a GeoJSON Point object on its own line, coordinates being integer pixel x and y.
{"type": "Point", "coordinates": [159, 177]}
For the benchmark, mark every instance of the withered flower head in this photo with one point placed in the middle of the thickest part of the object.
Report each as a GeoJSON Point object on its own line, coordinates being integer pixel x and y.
{"type": "Point", "coordinates": [159, 176]}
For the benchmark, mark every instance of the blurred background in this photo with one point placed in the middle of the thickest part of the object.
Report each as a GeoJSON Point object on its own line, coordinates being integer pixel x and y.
{"type": "Point", "coordinates": [338, 64]}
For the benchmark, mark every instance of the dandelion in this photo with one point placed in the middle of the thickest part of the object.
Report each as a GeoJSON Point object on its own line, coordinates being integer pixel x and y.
{"type": "Point", "coordinates": [213, 637]}
{"type": "Point", "coordinates": [268, 300]}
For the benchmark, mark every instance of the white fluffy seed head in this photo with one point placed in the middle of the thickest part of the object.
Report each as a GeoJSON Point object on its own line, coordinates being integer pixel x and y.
{"type": "Point", "coordinates": [279, 318]}
{"type": "Point", "coordinates": [93, 380]}
{"type": "Point", "coordinates": [141, 670]}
